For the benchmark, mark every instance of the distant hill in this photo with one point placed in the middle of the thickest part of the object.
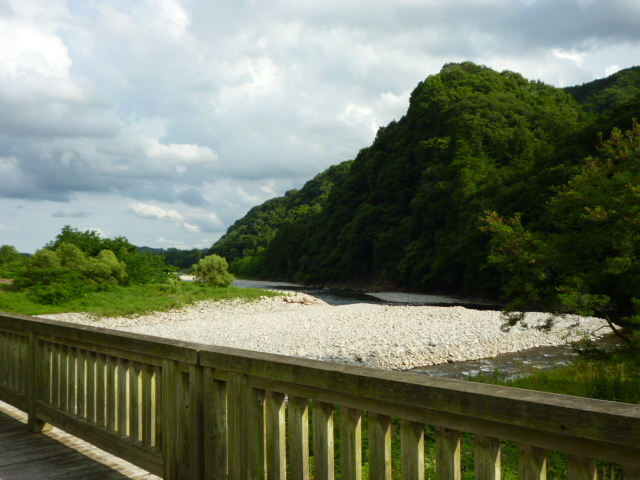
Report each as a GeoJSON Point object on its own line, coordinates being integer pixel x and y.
{"type": "Point", "coordinates": [606, 94]}
{"type": "Point", "coordinates": [406, 212]}
{"type": "Point", "coordinates": [183, 259]}
{"type": "Point", "coordinates": [246, 241]}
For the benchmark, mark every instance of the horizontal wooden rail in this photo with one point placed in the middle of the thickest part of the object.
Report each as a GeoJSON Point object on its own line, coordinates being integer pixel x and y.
{"type": "Point", "coordinates": [183, 410]}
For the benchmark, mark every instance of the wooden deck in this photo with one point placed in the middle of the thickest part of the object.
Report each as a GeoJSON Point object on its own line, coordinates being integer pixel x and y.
{"type": "Point", "coordinates": [55, 454]}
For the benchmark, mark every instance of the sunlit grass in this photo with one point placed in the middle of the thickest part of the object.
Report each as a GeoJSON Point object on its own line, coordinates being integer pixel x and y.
{"type": "Point", "coordinates": [127, 301]}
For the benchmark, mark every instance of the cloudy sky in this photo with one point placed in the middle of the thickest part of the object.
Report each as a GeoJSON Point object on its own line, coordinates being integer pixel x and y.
{"type": "Point", "coordinates": [166, 120]}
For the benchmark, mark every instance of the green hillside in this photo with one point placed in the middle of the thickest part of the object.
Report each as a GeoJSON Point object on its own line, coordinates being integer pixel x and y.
{"type": "Point", "coordinates": [410, 211]}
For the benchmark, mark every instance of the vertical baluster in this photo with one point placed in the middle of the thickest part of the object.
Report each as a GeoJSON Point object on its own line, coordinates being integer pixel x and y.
{"type": "Point", "coordinates": [581, 468]}
{"type": "Point", "coordinates": [64, 377]}
{"type": "Point", "coordinates": [55, 375]}
{"type": "Point", "coordinates": [412, 443]}
{"type": "Point", "coordinates": [323, 442]}
{"type": "Point", "coordinates": [135, 412]}
{"type": "Point", "coordinates": [110, 397]}
{"type": "Point", "coordinates": [91, 386]}
{"type": "Point", "coordinates": [45, 392]}
{"type": "Point", "coordinates": [158, 392]}
{"type": "Point", "coordinates": [630, 472]}
{"type": "Point", "coordinates": [246, 429]}
{"type": "Point", "coordinates": [101, 390]}
{"type": "Point", "coordinates": [35, 379]}
{"type": "Point", "coordinates": [351, 443]}
{"type": "Point", "coordinates": [276, 435]}
{"type": "Point", "coordinates": [215, 419]}
{"type": "Point", "coordinates": [122, 396]}
{"type": "Point", "coordinates": [147, 399]}
{"type": "Point", "coordinates": [81, 371]}
{"type": "Point", "coordinates": [448, 454]}
{"type": "Point", "coordinates": [71, 380]}
{"type": "Point", "coordinates": [299, 437]}
{"type": "Point", "coordinates": [532, 463]}
{"type": "Point", "coordinates": [169, 421]}
{"type": "Point", "coordinates": [487, 458]}
{"type": "Point", "coordinates": [3, 359]}
{"type": "Point", "coordinates": [379, 447]}
{"type": "Point", "coordinates": [195, 445]}
{"type": "Point", "coordinates": [8, 361]}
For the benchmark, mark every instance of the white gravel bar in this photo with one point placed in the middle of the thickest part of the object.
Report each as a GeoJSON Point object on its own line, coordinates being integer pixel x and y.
{"type": "Point", "coordinates": [394, 337]}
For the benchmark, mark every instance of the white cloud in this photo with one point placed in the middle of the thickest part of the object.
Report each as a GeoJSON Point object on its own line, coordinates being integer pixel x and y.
{"type": "Point", "coordinates": [154, 212]}
{"type": "Point", "coordinates": [174, 109]}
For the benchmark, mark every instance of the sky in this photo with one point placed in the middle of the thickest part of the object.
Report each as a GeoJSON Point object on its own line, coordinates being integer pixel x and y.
{"type": "Point", "coordinates": [164, 121]}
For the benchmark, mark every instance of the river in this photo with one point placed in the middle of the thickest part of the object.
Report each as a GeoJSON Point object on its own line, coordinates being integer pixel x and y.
{"type": "Point", "coordinates": [506, 365]}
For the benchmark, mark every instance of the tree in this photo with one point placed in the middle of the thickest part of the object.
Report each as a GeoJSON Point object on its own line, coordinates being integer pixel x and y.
{"type": "Point", "coordinates": [10, 261]}
{"type": "Point", "coordinates": [213, 270]}
{"type": "Point", "coordinates": [586, 259]}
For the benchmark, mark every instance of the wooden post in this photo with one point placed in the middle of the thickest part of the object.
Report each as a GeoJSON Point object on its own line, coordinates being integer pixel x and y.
{"type": "Point", "coordinates": [246, 429]}
{"type": "Point", "coordinates": [487, 458]}
{"type": "Point", "coordinates": [448, 454]}
{"type": "Point", "coordinates": [169, 421]}
{"type": "Point", "coordinates": [81, 387]}
{"type": "Point", "coordinates": [111, 395]}
{"type": "Point", "coordinates": [122, 397]}
{"type": "Point", "coordinates": [323, 443]}
{"type": "Point", "coordinates": [148, 401]}
{"type": "Point", "coordinates": [35, 380]}
{"type": "Point", "coordinates": [196, 417]}
{"type": "Point", "coordinates": [299, 437]}
{"type": "Point", "coordinates": [351, 443]}
{"type": "Point", "coordinates": [101, 390]}
{"type": "Point", "coordinates": [412, 442]}
{"type": "Point", "coordinates": [630, 472]}
{"type": "Point", "coordinates": [581, 468]}
{"type": "Point", "coordinates": [135, 412]}
{"type": "Point", "coordinates": [532, 463]}
{"type": "Point", "coordinates": [276, 449]}
{"type": "Point", "coordinates": [379, 447]}
{"type": "Point", "coordinates": [215, 421]}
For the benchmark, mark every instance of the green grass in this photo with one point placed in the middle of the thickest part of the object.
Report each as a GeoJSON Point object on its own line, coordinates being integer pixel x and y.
{"type": "Point", "coordinates": [613, 376]}
{"type": "Point", "coordinates": [128, 301]}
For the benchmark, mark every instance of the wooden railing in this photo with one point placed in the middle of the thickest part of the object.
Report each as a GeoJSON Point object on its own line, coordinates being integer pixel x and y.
{"type": "Point", "coordinates": [183, 410]}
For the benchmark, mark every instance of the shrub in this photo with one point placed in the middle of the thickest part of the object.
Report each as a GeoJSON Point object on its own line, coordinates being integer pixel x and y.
{"type": "Point", "coordinates": [212, 270]}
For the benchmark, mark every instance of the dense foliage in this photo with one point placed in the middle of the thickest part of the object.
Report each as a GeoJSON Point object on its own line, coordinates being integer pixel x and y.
{"type": "Point", "coordinates": [585, 257]}
{"type": "Point", "coordinates": [212, 270]}
{"type": "Point", "coordinates": [410, 209]}
{"type": "Point", "coordinates": [245, 243]}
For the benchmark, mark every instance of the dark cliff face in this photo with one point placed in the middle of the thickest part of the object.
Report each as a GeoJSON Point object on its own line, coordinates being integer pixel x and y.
{"type": "Point", "coordinates": [406, 211]}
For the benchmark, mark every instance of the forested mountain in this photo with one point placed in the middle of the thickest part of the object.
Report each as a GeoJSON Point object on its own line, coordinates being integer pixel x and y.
{"type": "Point", "coordinates": [608, 93]}
{"type": "Point", "coordinates": [411, 209]}
{"type": "Point", "coordinates": [246, 241]}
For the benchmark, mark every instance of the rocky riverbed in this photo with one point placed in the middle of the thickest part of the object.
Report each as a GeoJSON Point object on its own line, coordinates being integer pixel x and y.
{"type": "Point", "coordinates": [388, 336]}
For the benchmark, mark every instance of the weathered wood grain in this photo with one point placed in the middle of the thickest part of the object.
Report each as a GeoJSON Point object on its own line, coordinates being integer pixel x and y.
{"type": "Point", "coordinates": [323, 441]}
{"type": "Point", "coordinates": [412, 444]}
{"type": "Point", "coordinates": [299, 437]}
{"type": "Point", "coordinates": [380, 447]}
{"type": "Point", "coordinates": [276, 449]}
{"type": "Point", "coordinates": [532, 463]}
{"type": "Point", "coordinates": [351, 443]}
{"type": "Point", "coordinates": [56, 454]}
{"type": "Point", "coordinates": [448, 450]}
{"type": "Point", "coordinates": [487, 464]}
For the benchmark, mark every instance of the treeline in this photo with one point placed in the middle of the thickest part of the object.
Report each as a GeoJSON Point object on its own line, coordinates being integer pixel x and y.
{"type": "Point", "coordinates": [77, 263]}
{"type": "Point", "coordinates": [411, 210]}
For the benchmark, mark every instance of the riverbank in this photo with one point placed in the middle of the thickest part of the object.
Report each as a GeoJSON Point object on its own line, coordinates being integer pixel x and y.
{"type": "Point", "coordinates": [398, 337]}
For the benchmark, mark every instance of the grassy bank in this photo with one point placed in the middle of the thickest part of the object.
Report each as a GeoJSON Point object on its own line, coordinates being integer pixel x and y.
{"type": "Point", "coordinates": [113, 301]}
{"type": "Point", "coordinates": [613, 376]}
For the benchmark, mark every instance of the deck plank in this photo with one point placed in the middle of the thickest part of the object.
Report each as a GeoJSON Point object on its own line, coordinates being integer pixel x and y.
{"type": "Point", "coordinates": [55, 454]}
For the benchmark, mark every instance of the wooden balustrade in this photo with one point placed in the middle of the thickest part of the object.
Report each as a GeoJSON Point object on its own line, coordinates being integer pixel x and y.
{"type": "Point", "coordinates": [183, 410]}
